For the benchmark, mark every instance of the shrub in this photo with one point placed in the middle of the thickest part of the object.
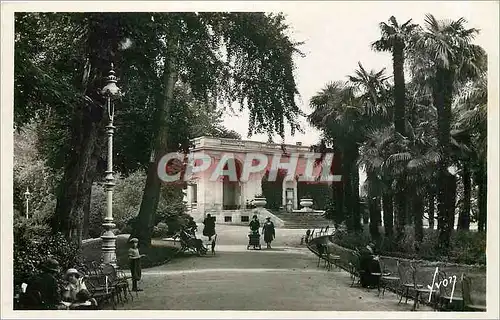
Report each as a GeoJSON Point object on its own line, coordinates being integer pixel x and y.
{"type": "Point", "coordinates": [29, 253]}
{"type": "Point", "coordinates": [161, 230]}
{"type": "Point", "coordinates": [332, 213]}
{"type": "Point", "coordinates": [466, 247]}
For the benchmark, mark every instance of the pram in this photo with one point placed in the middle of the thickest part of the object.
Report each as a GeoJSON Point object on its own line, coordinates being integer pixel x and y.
{"type": "Point", "coordinates": [254, 240]}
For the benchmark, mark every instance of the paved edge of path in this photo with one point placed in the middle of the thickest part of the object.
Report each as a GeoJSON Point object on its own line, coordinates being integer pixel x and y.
{"type": "Point", "coordinates": [238, 270]}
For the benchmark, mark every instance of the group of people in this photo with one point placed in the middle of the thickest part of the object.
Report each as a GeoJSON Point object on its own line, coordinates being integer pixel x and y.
{"type": "Point", "coordinates": [48, 291]}
{"type": "Point", "coordinates": [268, 229]}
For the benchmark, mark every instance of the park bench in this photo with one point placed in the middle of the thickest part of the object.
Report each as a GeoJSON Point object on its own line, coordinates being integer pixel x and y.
{"type": "Point", "coordinates": [319, 233]}
{"type": "Point", "coordinates": [325, 232]}
{"type": "Point", "coordinates": [355, 267]}
{"type": "Point", "coordinates": [329, 256]}
{"type": "Point", "coordinates": [442, 298]}
{"type": "Point", "coordinates": [305, 237]}
{"type": "Point", "coordinates": [311, 235]}
{"type": "Point", "coordinates": [107, 283]}
{"type": "Point", "coordinates": [101, 290]}
{"type": "Point", "coordinates": [387, 279]}
{"type": "Point", "coordinates": [468, 303]}
{"type": "Point", "coordinates": [409, 288]}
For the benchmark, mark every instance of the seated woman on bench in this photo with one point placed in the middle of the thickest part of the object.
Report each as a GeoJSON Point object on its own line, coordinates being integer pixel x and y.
{"type": "Point", "coordinates": [75, 293]}
{"type": "Point", "coordinates": [370, 267]}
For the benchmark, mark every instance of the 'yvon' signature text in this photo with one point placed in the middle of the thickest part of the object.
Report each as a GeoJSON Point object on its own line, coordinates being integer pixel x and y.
{"type": "Point", "coordinates": [444, 282]}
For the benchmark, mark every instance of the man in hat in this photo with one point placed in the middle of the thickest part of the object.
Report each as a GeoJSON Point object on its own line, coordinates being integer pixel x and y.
{"type": "Point", "coordinates": [135, 263]}
{"type": "Point", "coordinates": [269, 232]}
{"type": "Point", "coordinates": [42, 291]}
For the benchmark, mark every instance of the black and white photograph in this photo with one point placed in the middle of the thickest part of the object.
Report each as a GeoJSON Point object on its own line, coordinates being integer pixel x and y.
{"type": "Point", "coordinates": [250, 159]}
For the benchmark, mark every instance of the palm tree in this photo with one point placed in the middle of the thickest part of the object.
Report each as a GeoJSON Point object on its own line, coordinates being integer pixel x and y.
{"type": "Point", "coordinates": [373, 91]}
{"type": "Point", "coordinates": [469, 138]}
{"type": "Point", "coordinates": [338, 113]}
{"type": "Point", "coordinates": [444, 54]}
{"type": "Point", "coordinates": [372, 88]}
{"type": "Point", "coordinates": [394, 39]}
{"type": "Point", "coordinates": [374, 152]}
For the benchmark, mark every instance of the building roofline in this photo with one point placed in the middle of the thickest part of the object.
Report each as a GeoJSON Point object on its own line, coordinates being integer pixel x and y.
{"type": "Point", "coordinates": [251, 141]}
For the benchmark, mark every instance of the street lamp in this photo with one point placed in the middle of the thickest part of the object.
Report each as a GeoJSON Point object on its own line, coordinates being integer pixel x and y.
{"type": "Point", "coordinates": [110, 92]}
{"type": "Point", "coordinates": [27, 195]}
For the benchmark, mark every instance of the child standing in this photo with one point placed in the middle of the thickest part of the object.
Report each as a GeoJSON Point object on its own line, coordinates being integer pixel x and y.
{"type": "Point", "coordinates": [135, 263]}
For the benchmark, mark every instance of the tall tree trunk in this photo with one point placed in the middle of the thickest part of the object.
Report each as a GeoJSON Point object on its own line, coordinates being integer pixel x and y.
{"type": "Point", "coordinates": [89, 181]}
{"type": "Point", "coordinates": [399, 125]}
{"type": "Point", "coordinates": [451, 205]}
{"type": "Point", "coordinates": [78, 175]}
{"type": "Point", "coordinates": [102, 41]}
{"type": "Point", "coordinates": [481, 198]}
{"type": "Point", "coordinates": [400, 208]}
{"type": "Point", "coordinates": [348, 200]}
{"type": "Point", "coordinates": [431, 207]}
{"type": "Point", "coordinates": [374, 209]}
{"type": "Point", "coordinates": [399, 87]}
{"type": "Point", "coordinates": [365, 211]}
{"type": "Point", "coordinates": [387, 203]}
{"type": "Point", "coordinates": [464, 217]}
{"type": "Point", "coordinates": [338, 196]}
{"type": "Point", "coordinates": [409, 212]}
{"type": "Point", "coordinates": [418, 215]}
{"type": "Point", "coordinates": [353, 214]}
{"type": "Point", "coordinates": [83, 227]}
{"type": "Point", "coordinates": [356, 214]}
{"type": "Point", "coordinates": [86, 215]}
{"type": "Point", "coordinates": [338, 189]}
{"type": "Point", "coordinates": [145, 219]}
{"type": "Point", "coordinates": [442, 95]}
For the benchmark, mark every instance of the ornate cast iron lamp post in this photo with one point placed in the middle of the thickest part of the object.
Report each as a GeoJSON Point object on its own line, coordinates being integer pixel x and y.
{"type": "Point", "coordinates": [111, 92]}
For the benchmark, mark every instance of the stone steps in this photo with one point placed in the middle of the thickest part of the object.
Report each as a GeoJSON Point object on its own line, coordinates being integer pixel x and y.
{"type": "Point", "coordinates": [303, 220]}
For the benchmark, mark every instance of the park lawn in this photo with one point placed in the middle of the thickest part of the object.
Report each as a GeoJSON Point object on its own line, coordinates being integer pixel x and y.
{"type": "Point", "coordinates": [159, 253]}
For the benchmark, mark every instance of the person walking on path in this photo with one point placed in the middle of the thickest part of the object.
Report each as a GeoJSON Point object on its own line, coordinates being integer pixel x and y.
{"type": "Point", "coordinates": [191, 226]}
{"type": "Point", "coordinates": [269, 232]}
{"type": "Point", "coordinates": [135, 263]}
{"type": "Point", "coordinates": [209, 228]}
{"type": "Point", "coordinates": [254, 224]}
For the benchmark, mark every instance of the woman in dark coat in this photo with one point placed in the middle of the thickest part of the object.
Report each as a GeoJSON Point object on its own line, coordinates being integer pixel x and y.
{"type": "Point", "coordinates": [254, 224]}
{"type": "Point", "coordinates": [269, 232]}
{"type": "Point", "coordinates": [209, 229]}
{"type": "Point", "coordinates": [370, 266]}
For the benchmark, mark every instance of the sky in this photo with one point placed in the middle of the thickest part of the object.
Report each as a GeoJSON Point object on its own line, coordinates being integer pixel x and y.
{"type": "Point", "coordinates": [338, 34]}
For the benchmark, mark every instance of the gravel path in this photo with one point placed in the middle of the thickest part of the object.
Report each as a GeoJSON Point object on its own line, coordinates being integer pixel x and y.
{"type": "Point", "coordinates": [283, 278]}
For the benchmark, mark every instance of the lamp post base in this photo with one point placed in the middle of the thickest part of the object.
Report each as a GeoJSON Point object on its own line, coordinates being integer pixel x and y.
{"type": "Point", "coordinates": [109, 248]}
